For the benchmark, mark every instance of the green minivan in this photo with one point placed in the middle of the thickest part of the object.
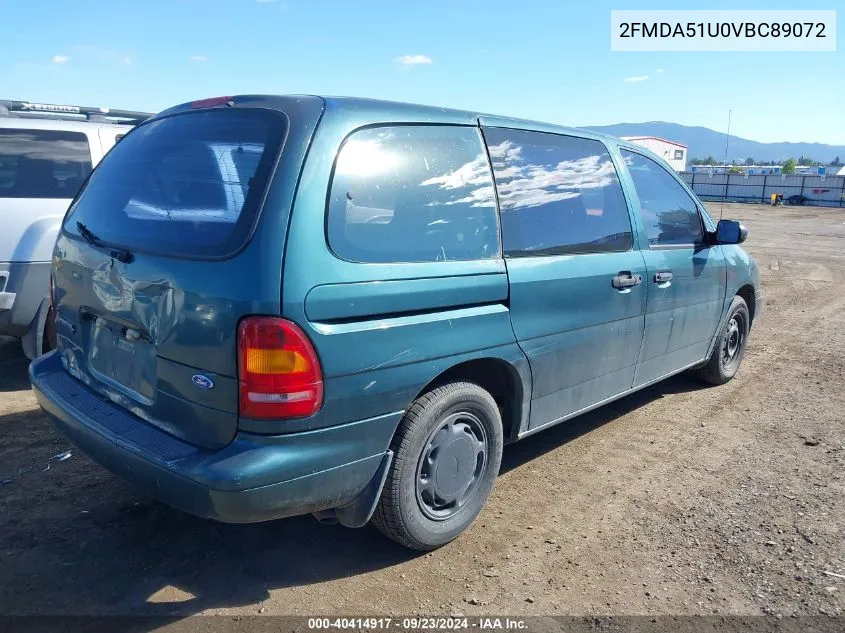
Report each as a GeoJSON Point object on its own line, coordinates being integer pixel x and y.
{"type": "Point", "coordinates": [269, 306]}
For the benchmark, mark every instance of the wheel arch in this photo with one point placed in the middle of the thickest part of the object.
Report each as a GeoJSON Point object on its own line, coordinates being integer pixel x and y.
{"type": "Point", "coordinates": [501, 379]}
{"type": "Point", "coordinates": [748, 294]}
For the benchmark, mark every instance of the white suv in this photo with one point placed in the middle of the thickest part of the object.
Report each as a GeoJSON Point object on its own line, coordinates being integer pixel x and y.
{"type": "Point", "coordinates": [46, 153]}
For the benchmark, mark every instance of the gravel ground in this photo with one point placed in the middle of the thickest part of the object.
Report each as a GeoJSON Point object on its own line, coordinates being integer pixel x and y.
{"type": "Point", "coordinates": [677, 500]}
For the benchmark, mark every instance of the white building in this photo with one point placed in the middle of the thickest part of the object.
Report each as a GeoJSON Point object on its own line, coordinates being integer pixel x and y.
{"type": "Point", "coordinates": [673, 153]}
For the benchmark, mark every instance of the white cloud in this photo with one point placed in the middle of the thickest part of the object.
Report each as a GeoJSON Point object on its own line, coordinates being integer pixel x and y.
{"type": "Point", "coordinates": [409, 61]}
{"type": "Point", "coordinates": [659, 70]}
{"type": "Point", "coordinates": [198, 58]}
{"type": "Point", "coordinates": [635, 79]}
{"type": "Point", "coordinates": [60, 59]}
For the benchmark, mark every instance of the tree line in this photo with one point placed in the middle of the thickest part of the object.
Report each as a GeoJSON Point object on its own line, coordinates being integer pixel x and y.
{"type": "Point", "coordinates": [788, 166]}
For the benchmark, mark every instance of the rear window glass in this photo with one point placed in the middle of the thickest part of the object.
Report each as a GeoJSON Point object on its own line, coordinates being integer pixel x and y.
{"type": "Point", "coordinates": [413, 194]}
{"type": "Point", "coordinates": [190, 184]}
{"type": "Point", "coordinates": [42, 163]}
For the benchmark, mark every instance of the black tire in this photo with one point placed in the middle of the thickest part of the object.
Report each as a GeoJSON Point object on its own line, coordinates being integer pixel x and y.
{"type": "Point", "coordinates": [438, 433]}
{"type": "Point", "coordinates": [729, 349]}
{"type": "Point", "coordinates": [48, 341]}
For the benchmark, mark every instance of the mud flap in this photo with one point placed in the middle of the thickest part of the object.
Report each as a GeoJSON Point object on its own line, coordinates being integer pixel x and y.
{"type": "Point", "coordinates": [357, 512]}
{"type": "Point", "coordinates": [33, 340]}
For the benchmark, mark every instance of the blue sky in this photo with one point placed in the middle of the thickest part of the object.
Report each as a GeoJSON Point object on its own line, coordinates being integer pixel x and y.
{"type": "Point", "coordinates": [548, 60]}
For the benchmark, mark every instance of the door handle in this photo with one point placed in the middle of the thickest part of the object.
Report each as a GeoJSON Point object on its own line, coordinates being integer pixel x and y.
{"type": "Point", "coordinates": [626, 280]}
{"type": "Point", "coordinates": [663, 276]}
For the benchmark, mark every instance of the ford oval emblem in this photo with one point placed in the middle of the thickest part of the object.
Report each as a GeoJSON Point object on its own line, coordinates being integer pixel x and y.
{"type": "Point", "coordinates": [203, 382]}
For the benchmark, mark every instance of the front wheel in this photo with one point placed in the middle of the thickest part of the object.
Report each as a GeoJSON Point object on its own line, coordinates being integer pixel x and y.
{"type": "Point", "coordinates": [447, 451]}
{"type": "Point", "coordinates": [729, 349]}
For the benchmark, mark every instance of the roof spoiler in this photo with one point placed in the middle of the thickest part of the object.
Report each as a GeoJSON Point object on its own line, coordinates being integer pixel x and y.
{"type": "Point", "coordinates": [29, 109]}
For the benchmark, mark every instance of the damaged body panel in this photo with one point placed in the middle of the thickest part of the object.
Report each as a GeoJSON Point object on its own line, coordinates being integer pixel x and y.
{"type": "Point", "coordinates": [135, 334]}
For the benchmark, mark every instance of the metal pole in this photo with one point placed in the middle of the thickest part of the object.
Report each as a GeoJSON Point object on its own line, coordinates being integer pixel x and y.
{"type": "Point", "coordinates": [763, 193]}
{"type": "Point", "coordinates": [842, 194]}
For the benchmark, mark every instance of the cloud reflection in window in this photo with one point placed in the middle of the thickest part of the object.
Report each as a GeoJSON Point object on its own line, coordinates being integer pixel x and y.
{"type": "Point", "coordinates": [558, 194]}
{"type": "Point", "coordinates": [413, 193]}
{"type": "Point", "coordinates": [472, 178]}
{"type": "Point", "coordinates": [524, 184]}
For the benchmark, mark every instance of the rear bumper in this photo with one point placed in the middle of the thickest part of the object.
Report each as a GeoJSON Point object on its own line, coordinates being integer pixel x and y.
{"type": "Point", "coordinates": [255, 478]}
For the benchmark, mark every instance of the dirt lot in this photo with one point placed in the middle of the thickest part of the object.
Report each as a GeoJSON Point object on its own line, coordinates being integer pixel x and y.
{"type": "Point", "coordinates": [676, 500]}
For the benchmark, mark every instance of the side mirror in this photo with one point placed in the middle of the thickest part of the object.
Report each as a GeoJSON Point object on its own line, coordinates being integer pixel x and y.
{"type": "Point", "coordinates": [730, 232]}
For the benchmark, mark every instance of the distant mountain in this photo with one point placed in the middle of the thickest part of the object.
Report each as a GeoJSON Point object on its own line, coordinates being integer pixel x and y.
{"type": "Point", "coordinates": [703, 142]}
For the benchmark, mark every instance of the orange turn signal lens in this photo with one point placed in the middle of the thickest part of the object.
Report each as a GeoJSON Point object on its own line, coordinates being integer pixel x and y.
{"type": "Point", "coordinates": [275, 361]}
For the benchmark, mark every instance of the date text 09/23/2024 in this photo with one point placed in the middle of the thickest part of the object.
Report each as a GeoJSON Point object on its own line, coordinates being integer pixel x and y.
{"type": "Point", "coordinates": [416, 623]}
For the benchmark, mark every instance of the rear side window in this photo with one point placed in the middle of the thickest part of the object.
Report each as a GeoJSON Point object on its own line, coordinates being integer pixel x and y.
{"type": "Point", "coordinates": [669, 213]}
{"type": "Point", "coordinates": [42, 163]}
{"type": "Point", "coordinates": [189, 185]}
{"type": "Point", "coordinates": [557, 194]}
{"type": "Point", "coordinates": [413, 194]}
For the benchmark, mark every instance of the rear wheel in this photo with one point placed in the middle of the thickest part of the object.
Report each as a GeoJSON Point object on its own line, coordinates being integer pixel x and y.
{"type": "Point", "coordinates": [447, 453]}
{"type": "Point", "coordinates": [48, 341]}
{"type": "Point", "coordinates": [729, 349]}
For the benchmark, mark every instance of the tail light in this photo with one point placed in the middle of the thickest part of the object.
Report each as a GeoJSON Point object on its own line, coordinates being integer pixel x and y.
{"type": "Point", "coordinates": [278, 370]}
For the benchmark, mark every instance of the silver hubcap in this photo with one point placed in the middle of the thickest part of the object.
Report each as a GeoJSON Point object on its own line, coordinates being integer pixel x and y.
{"type": "Point", "coordinates": [734, 338]}
{"type": "Point", "coordinates": [451, 465]}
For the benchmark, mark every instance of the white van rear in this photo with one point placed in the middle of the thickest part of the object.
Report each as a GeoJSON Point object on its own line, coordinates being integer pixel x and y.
{"type": "Point", "coordinates": [46, 153]}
